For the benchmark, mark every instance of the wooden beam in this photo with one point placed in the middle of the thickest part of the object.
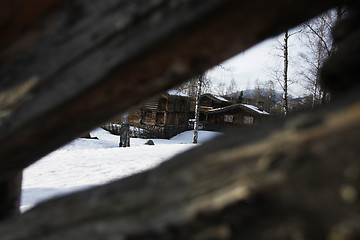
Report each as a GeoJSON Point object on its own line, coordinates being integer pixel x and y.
{"type": "Point", "coordinates": [10, 193]}
{"type": "Point", "coordinates": [18, 16]}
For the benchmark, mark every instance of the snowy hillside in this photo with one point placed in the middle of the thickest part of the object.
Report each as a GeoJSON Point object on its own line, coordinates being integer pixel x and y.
{"type": "Point", "coordinates": [88, 162]}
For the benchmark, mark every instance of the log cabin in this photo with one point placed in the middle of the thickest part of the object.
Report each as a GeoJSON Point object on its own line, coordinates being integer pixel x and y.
{"type": "Point", "coordinates": [163, 116]}
{"type": "Point", "coordinates": [173, 112]}
{"type": "Point", "coordinates": [233, 116]}
{"type": "Point", "coordinates": [208, 102]}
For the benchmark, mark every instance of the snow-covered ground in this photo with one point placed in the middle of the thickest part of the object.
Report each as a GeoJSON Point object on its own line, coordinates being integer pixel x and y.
{"type": "Point", "coordinates": [88, 162]}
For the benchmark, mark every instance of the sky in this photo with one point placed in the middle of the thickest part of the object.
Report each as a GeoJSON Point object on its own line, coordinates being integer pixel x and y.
{"type": "Point", "coordinates": [253, 65]}
{"type": "Point", "coordinates": [245, 68]}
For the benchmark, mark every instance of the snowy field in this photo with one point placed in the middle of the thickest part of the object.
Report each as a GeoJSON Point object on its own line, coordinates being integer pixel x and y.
{"type": "Point", "coordinates": [84, 163]}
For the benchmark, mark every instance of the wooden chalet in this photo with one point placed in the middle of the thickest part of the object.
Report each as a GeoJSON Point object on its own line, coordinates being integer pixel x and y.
{"type": "Point", "coordinates": [208, 102]}
{"type": "Point", "coordinates": [173, 112]}
{"type": "Point", "coordinates": [234, 115]}
{"type": "Point", "coordinates": [164, 116]}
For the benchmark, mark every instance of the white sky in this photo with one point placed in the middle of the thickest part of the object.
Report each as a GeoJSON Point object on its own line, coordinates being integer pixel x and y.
{"type": "Point", "coordinates": [254, 64]}
{"type": "Point", "coordinates": [245, 68]}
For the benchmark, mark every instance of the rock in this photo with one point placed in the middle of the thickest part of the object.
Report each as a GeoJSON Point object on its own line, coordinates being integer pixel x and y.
{"type": "Point", "coordinates": [150, 142]}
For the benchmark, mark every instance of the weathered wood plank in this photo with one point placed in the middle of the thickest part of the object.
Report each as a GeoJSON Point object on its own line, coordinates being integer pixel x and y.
{"type": "Point", "coordinates": [299, 179]}
{"type": "Point", "coordinates": [10, 192]}
{"type": "Point", "coordinates": [100, 57]}
{"type": "Point", "coordinates": [18, 16]}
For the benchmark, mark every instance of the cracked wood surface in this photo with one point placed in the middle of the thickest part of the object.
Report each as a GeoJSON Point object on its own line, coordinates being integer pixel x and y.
{"type": "Point", "coordinates": [79, 65]}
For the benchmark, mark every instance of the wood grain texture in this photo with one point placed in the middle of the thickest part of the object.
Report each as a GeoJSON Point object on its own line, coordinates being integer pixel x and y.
{"type": "Point", "coordinates": [19, 16]}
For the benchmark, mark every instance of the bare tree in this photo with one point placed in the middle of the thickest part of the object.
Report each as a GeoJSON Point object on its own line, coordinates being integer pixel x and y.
{"type": "Point", "coordinates": [264, 95]}
{"type": "Point", "coordinates": [190, 87]}
{"type": "Point", "coordinates": [285, 73]}
{"type": "Point", "coordinates": [223, 89]}
{"type": "Point", "coordinates": [220, 89]}
{"type": "Point", "coordinates": [319, 46]}
{"type": "Point", "coordinates": [281, 76]}
{"type": "Point", "coordinates": [197, 108]}
{"type": "Point", "coordinates": [232, 87]}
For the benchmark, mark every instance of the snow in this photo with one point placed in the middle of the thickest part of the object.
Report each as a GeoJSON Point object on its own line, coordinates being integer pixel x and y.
{"type": "Point", "coordinates": [177, 93]}
{"type": "Point", "coordinates": [84, 163]}
{"type": "Point", "coordinates": [251, 107]}
{"type": "Point", "coordinates": [221, 98]}
{"type": "Point", "coordinates": [255, 109]}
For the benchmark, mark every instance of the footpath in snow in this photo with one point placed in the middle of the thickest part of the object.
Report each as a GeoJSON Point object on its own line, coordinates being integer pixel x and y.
{"type": "Point", "coordinates": [84, 163]}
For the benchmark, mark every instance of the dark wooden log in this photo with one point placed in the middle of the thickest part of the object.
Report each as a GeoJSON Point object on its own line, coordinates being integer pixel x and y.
{"type": "Point", "coordinates": [93, 59]}
{"type": "Point", "coordinates": [10, 193]}
{"type": "Point", "coordinates": [298, 179]}
{"type": "Point", "coordinates": [18, 16]}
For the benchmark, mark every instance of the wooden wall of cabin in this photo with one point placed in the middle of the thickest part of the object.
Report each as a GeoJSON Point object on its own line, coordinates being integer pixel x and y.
{"type": "Point", "coordinates": [147, 113]}
{"type": "Point", "coordinates": [178, 104]}
{"type": "Point", "coordinates": [177, 118]}
{"type": "Point", "coordinates": [163, 111]}
{"type": "Point", "coordinates": [178, 111]}
{"type": "Point", "coordinates": [135, 116]}
{"type": "Point", "coordinates": [231, 119]}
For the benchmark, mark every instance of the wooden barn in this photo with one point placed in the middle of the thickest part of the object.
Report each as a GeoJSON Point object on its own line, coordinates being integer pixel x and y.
{"type": "Point", "coordinates": [234, 115]}
{"type": "Point", "coordinates": [164, 116]}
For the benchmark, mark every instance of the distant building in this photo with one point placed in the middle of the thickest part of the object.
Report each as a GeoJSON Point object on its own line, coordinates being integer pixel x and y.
{"type": "Point", "coordinates": [173, 112]}
{"type": "Point", "coordinates": [213, 101]}
{"type": "Point", "coordinates": [233, 116]}
{"type": "Point", "coordinates": [208, 102]}
{"type": "Point", "coordinates": [165, 115]}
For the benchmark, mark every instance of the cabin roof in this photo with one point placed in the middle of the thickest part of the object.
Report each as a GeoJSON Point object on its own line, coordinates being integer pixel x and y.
{"type": "Point", "coordinates": [215, 98]}
{"type": "Point", "coordinates": [247, 107]}
{"type": "Point", "coordinates": [176, 93]}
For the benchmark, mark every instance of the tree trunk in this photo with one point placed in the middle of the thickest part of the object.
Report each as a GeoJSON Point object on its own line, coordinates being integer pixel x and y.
{"type": "Point", "coordinates": [197, 109]}
{"type": "Point", "coordinates": [125, 131]}
{"type": "Point", "coordinates": [285, 75]}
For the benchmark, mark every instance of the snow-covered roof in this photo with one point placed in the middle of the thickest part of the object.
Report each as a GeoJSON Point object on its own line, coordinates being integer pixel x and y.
{"type": "Point", "coordinates": [256, 109]}
{"type": "Point", "coordinates": [250, 107]}
{"type": "Point", "coordinates": [215, 97]}
{"type": "Point", "coordinates": [177, 93]}
{"type": "Point", "coordinates": [221, 98]}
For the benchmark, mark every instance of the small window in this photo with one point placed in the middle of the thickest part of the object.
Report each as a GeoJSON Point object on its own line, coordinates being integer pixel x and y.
{"type": "Point", "coordinates": [228, 118]}
{"type": "Point", "coordinates": [148, 114]}
{"type": "Point", "coordinates": [248, 120]}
